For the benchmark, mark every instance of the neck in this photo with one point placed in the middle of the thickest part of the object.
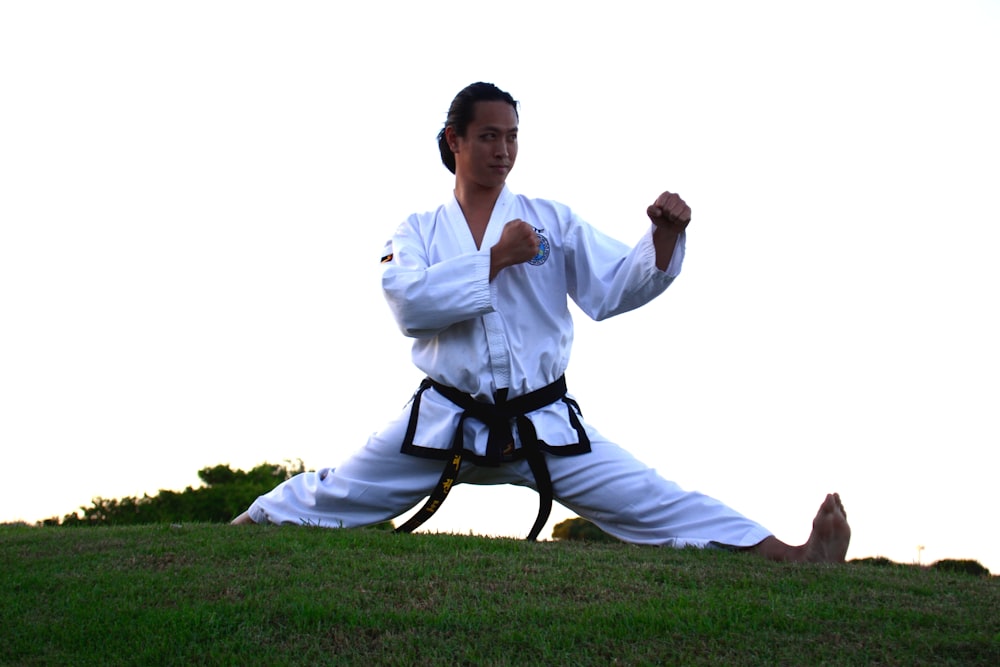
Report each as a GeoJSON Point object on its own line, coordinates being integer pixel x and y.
{"type": "Point", "coordinates": [477, 207]}
{"type": "Point", "coordinates": [476, 198]}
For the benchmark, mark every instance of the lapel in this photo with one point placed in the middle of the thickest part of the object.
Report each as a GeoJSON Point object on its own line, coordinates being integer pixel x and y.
{"type": "Point", "coordinates": [499, 217]}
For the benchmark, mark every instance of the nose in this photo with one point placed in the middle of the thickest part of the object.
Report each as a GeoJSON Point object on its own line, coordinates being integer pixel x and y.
{"type": "Point", "coordinates": [502, 149]}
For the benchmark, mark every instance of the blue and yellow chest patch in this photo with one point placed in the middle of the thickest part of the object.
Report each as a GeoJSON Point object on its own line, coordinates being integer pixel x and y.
{"type": "Point", "coordinates": [543, 248]}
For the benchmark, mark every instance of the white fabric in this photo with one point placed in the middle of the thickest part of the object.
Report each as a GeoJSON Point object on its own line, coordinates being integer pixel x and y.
{"type": "Point", "coordinates": [607, 486]}
{"type": "Point", "coordinates": [514, 332]}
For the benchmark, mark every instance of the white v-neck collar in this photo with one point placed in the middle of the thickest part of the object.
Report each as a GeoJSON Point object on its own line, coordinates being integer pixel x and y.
{"type": "Point", "coordinates": [494, 228]}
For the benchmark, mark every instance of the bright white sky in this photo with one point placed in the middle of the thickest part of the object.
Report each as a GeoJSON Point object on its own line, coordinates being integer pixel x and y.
{"type": "Point", "coordinates": [194, 197]}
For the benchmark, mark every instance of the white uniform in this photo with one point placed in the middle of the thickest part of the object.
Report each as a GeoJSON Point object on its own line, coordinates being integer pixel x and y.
{"type": "Point", "coordinates": [512, 333]}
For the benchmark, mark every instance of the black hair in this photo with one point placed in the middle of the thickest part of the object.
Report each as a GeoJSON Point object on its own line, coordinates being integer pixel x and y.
{"type": "Point", "coordinates": [462, 111]}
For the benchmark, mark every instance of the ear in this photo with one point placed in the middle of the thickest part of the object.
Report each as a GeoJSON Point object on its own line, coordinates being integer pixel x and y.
{"type": "Point", "coordinates": [451, 138]}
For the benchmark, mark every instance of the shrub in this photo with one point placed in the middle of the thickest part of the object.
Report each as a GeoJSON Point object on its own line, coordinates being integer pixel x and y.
{"type": "Point", "coordinates": [580, 529]}
{"type": "Point", "coordinates": [973, 567]}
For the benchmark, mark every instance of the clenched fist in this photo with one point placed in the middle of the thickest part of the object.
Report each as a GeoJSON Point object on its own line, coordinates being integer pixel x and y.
{"type": "Point", "coordinates": [669, 212]}
{"type": "Point", "coordinates": [518, 243]}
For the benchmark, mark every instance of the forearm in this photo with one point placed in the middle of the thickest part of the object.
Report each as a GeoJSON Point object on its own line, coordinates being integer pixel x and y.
{"type": "Point", "coordinates": [428, 300]}
{"type": "Point", "coordinates": [665, 242]}
{"type": "Point", "coordinates": [608, 278]}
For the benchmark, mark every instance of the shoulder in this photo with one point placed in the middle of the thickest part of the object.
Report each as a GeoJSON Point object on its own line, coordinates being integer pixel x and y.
{"type": "Point", "coordinates": [434, 214]}
{"type": "Point", "coordinates": [544, 208]}
{"type": "Point", "coordinates": [426, 220]}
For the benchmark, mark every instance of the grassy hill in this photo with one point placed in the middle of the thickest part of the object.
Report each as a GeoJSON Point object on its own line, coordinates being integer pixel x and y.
{"type": "Point", "coordinates": [218, 595]}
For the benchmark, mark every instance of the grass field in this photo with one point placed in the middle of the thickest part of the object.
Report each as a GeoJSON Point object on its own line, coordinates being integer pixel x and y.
{"type": "Point", "coordinates": [219, 595]}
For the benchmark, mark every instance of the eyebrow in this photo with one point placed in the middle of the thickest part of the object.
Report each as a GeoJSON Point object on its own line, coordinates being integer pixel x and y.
{"type": "Point", "coordinates": [497, 128]}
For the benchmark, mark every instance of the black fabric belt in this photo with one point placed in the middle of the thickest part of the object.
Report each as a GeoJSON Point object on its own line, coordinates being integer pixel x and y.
{"type": "Point", "coordinates": [499, 418]}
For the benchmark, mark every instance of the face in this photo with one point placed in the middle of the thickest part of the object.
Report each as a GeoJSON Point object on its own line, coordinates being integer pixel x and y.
{"type": "Point", "coordinates": [486, 154]}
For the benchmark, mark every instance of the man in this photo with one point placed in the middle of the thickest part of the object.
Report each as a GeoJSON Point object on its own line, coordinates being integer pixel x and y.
{"type": "Point", "coordinates": [481, 285]}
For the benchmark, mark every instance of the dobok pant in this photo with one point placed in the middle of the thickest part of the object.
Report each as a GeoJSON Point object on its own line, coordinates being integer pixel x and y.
{"type": "Point", "coordinates": [607, 486]}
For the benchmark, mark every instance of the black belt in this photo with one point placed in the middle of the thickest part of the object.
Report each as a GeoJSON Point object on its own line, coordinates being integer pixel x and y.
{"type": "Point", "coordinates": [498, 417]}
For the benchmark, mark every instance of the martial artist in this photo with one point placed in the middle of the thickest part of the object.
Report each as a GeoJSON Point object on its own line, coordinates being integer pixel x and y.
{"type": "Point", "coordinates": [482, 286]}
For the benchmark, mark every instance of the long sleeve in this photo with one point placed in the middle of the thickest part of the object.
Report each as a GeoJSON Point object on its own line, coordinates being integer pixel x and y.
{"type": "Point", "coordinates": [426, 298]}
{"type": "Point", "coordinates": [606, 278]}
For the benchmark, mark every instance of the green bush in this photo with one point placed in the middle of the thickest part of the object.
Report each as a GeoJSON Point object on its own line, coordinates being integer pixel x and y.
{"type": "Point", "coordinates": [224, 494]}
{"type": "Point", "coordinates": [580, 529]}
{"type": "Point", "coordinates": [973, 567]}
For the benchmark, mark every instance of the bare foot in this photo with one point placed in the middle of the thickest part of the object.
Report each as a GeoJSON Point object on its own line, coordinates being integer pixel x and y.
{"type": "Point", "coordinates": [830, 534]}
{"type": "Point", "coordinates": [242, 520]}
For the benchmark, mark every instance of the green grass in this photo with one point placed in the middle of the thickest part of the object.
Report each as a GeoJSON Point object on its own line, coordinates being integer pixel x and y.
{"type": "Point", "coordinates": [219, 595]}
